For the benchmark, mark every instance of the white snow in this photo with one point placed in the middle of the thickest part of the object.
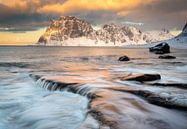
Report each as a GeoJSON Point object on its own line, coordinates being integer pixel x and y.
{"type": "Point", "coordinates": [84, 41]}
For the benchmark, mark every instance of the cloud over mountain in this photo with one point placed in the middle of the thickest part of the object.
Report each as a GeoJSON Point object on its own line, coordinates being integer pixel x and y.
{"type": "Point", "coordinates": [155, 14]}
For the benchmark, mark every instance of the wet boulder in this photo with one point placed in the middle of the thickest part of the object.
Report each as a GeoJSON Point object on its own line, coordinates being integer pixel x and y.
{"type": "Point", "coordinates": [159, 52]}
{"type": "Point", "coordinates": [161, 48]}
{"type": "Point", "coordinates": [141, 77]}
{"type": "Point", "coordinates": [178, 85]}
{"type": "Point", "coordinates": [161, 98]}
{"type": "Point", "coordinates": [167, 57]}
{"type": "Point", "coordinates": [124, 58]}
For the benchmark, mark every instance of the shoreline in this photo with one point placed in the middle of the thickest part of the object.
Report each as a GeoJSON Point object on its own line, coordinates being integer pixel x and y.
{"type": "Point", "coordinates": [125, 47]}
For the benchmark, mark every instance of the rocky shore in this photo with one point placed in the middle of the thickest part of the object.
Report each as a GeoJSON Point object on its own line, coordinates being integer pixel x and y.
{"type": "Point", "coordinates": [110, 105]}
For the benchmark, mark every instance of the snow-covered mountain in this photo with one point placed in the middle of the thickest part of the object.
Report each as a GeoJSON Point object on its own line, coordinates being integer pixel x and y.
{"type": "Point", "coordinates": [71, 31]}
{"type": "Point", "coordinates": [155, 36]}
{"type": "Point", "coordinates": [179, 41]}
{"type": "Point", "coordinates": [182, 37]}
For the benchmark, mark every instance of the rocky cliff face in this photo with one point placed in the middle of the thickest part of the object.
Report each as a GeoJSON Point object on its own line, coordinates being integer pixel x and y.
{"type": "Point", "coordinates": [65, 28]}
{"type": "Point", "coordinates": [70, 31]}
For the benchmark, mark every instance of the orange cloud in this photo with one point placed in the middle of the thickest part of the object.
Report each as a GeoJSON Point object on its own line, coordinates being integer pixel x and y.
{"type": "Point", "coordinates": [68, 6]}
{"type": "Point", "coordinates": [91, 5]}
{"type": "Point", "coordinates": [22, 5]}
{"type": "Point", "coordinates": [19, 4]}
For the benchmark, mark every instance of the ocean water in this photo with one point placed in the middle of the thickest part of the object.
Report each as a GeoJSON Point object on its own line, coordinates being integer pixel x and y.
{"type": "Point", "coordinates": [53, 88]}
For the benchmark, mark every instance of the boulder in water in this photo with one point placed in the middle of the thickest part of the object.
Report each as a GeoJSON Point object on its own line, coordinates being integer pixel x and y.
{"type": "Point", "coordinates": [159, 52]}
{"type": "Point", "coordinates": [178, 85]}
{"type": "Point", "coordinates": [141, 77]}
{"type": "Point", "coordinates": [167, 57]}
{"type": "Point", "coordinates": [124, 58]}
{"type": "Point", "coordinates": [161, 48]}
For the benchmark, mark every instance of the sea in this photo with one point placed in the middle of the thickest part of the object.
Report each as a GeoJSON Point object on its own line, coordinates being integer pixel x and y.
{"type": "Point", "coordinates": [80, 88]}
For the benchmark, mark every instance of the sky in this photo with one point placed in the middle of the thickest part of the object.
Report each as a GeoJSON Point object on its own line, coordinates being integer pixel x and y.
{"type": "Point", "coordinates": [24, 21]}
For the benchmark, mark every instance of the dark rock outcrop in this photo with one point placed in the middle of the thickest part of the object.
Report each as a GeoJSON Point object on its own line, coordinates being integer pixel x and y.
{"type": "Point", "coordinates": [161, 48]}
{"type": "Point", "coordinates": [162, 99]}
{"type": "Point", "coordinates": [141, 77]}
{"type": "Point", "coordinates": [14, 64]}
{"type": "Point", "coordinates": [167, 57]}
{"type": "Point", "coordinates": [124, 58]}
{"type": "Point", "coordinates": [42, 39]}
{"type": "Point", "coordinates": [157, 99]}
{"type": "Point", "coordinates": [178, 85]}
{"type": "Point", "coordinates": [159, 52]}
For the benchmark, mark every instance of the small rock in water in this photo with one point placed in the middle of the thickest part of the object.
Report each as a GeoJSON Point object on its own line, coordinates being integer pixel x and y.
{"type": "Point", "coordinates": [124, 58]}
{"type": "Point", "coordinates": [167, 57]}
{"type": "Point", "coordinates": [141, 77]}
{"type": "Point", "coordinates": [161, 48]}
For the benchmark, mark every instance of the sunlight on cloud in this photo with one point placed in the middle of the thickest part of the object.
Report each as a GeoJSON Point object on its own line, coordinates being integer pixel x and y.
{"type": "Point", "coordinates": [23, 5]}
{"type": "Point", "coordinates": [121, 7]}
{"type": "Point", "coordinates": [133, 23]}
{"type": "Point", "coordinates": [90, 5]}
{"type": "Point", "coordinates": [20, 4]}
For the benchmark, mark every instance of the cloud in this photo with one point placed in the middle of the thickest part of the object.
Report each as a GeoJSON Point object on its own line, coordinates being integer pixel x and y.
{"type": "Point", "coordinates": [99, 17]}
{"type": "Point", "coordinates": [29, 6]}
{"type": "Point", "coordinates": [161, 14]}
{"type": "Point", "coordinates": [90, 5]}
{"type": "Point", "coordinates": [67, 6]}
{"type": "Point", "coordinates": [15, 18]}
{"type": "Point", "coordinates": [156, 14]}
{"type": "Point", "coordinates": [18, 29]}
{"type": "Point", "coordinates": [133, 23]}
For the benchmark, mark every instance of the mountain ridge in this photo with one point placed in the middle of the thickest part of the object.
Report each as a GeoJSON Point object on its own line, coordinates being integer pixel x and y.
{"type": "Point", "coordinates": [71, 31]}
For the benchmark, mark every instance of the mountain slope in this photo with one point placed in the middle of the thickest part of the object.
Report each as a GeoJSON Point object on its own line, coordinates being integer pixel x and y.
{"type": "Point", "coordinates": [155, 36]}
{"type": "Point", "coordinates": [179, 41]}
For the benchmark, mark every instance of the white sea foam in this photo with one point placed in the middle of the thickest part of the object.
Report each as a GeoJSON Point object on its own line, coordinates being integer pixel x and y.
{"type": "Point", "coordinates": [25, 106]}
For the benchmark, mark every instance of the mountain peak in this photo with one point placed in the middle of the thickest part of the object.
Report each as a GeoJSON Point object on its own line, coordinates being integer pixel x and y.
{"type": "Point", "coordinates": [67, 17]}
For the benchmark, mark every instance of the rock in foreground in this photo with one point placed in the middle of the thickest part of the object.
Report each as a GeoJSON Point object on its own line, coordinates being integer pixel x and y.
{"type": "Point", "coordinates": [167, 57]}
{"type": "Point", "coordinates": [141, 77]}
{"type": "Point", "coordinates": [160, 98]}
{"type": "Point", "coordinates": [178, 85]}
